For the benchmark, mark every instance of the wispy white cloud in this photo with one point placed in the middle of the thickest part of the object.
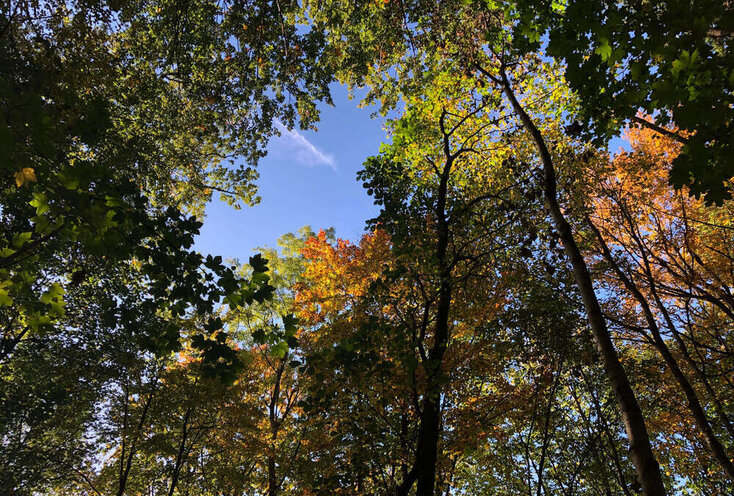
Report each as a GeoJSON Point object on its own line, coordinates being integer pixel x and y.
{"type": "Point", "coordinates": [292, 145]}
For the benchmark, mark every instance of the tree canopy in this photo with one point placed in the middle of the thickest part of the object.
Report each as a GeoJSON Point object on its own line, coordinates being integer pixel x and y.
{"type": "Point", "coordinates": [528, 313]}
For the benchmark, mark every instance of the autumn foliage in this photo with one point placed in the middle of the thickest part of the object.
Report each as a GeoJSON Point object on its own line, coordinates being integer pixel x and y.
{"type": "Point", "coordinates": [529, 312]}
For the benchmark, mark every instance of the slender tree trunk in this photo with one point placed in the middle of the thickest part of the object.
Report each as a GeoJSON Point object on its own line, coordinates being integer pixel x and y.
{"type": "Point", "coordinates": [125, 471]}
{"type": "Point", "coordinates": [272, 480]}
{"type": "Point", "coordinates": [424, 471]}
{"type": "Point", "coordinates": [598, 453]}
{"type": "Point", "coordinates": [646, 465]}
{"type": "Point", "coordinates": [274, 427]}
{"type": "Point", "coordinates": [8, 345]}
{"type": "Point", "coordinates": [431, 419]}
{"type": "Point", "coordinates": [694, 405]}
{"type": "Point", "coordinates": [546, 426]}
{"type": "Point", "coordinates": [182, 453]}
{"type": "Point", "coordinates": [700, 373]}
{"type": "Point", "coordinates": [719, 408]}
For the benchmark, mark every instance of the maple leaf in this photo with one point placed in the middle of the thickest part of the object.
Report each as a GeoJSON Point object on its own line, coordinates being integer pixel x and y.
{"type": "Point", "coordinates": [24, 176]}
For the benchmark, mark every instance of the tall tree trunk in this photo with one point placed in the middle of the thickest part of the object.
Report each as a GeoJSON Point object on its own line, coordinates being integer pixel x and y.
{"type": "Point", "coordinates": [718, 406]}
{"type": "Point", "coordinates": [646, 465]}
{"type": "Point", "coordinates": [182, 453]}
{"type": "Point", "coordinates": [427, 454]}
{"type": "Point", "coordinates": [547, 422]}
{"type": "Point", "coordinates": [274, 427]}
{"type": "Point", "coordinates": [126, 465]}
{"type": "Point", "coordinates": [272, 478]}
{"type": "Point", "coordinates": [428, 436]}
{"type": "Point", "coordinates": [694, 405]}
{"type": "Point", "coordinates": [597, 435]}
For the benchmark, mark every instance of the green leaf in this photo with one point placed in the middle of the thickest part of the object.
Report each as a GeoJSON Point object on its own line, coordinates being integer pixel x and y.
{"type": "Point", "coordinates": [21, 238]}
{"type": "Point", "coordinates": [68, 181]}
{"type": "Point", "coordinates": [5, 299]}
{"type": "Point", "coordinates": [40, 202]}
{"type": "Point", "coordinates": [279, 350]}
{"type": "Point", "coordinates": [259, 336]}
{"type": "Point", "coordinates": [290, 324]}
{"type": "Point", "coordinates": [258, 263]}
{"type": "Point", "coordinates": [604, 49]}
{"type": "Point", "coordinates": [6, 252]}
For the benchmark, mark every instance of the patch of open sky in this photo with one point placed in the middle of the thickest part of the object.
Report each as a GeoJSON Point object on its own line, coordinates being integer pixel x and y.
{"type": "Point", "coordinates": [308, 178]}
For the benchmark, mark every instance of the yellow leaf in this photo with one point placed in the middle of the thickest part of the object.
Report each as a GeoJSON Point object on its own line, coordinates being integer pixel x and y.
{"type": "Point", "coordinates": [25, 175]}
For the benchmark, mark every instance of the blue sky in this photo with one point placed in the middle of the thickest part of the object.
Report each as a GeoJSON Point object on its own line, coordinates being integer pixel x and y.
{"type": "Point", "coordinates": [308, 178]}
